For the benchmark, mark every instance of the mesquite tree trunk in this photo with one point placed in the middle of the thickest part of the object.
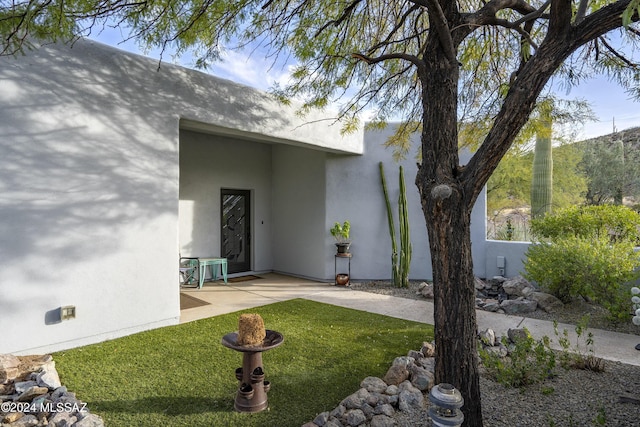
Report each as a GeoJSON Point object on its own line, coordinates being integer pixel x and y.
{"type": "Point", "coordinates": [447, 210]}
{"type": "Point", "coordinates": [449, 190]}
{"type": "Point", "coordinates": [542, 179]}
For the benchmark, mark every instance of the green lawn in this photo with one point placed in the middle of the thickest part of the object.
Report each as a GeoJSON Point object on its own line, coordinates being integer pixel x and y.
{"type": "Point", "coordinates": [183, 376]}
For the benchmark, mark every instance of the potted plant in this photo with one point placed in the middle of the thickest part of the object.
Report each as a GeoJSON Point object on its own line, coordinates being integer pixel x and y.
{"type": "Point", "coordinates": [341, 233]}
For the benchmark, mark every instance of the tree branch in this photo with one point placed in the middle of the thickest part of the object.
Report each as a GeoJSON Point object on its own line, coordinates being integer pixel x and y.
{"type": "Point", "coordinates": [335, 22]}
{"type": "Point", "coordinates": [560, 17]}
{"type": "Point", "coordinates": [617, 54]}
{"type": "Point", "coordinates": [600, 22]}
{"type": "Point", "coordinates": [375, 60]}
{"type": "Point", "coordinates": [439, 22]}
{"type": "Point", "coordinates": [582, 10]}
{"type": "Point", "coordinates": [398, 25]}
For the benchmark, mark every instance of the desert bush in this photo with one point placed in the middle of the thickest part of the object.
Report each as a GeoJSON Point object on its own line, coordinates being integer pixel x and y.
{"type": "Point", "coordinates": [587, 251]}
{"type": "Point", "coordinates": [530, 361]}
{"type": "Point", "coordinates": [618, 223]}
{"type": "Point", "coordinates": [594, 269]}
{"type": "Point", "coordinates": [582, 354]}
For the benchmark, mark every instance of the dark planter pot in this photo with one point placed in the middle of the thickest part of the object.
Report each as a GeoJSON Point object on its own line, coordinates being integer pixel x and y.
{"type": "Point", "coordinates": [343, 248]}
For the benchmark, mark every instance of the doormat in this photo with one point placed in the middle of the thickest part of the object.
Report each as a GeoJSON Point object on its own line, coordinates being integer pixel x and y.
{"type": "Point", "coordinates": [187, 301]}
{"type": "Point", "coordinates": [242, 278]}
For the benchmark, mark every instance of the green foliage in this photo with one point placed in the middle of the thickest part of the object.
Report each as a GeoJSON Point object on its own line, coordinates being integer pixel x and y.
{"type": "Point", "coordinates": [400, 261]}
{"type": "Point", "coordinates": [588, 252]}
{"type": "Point", "coordinates": [612, 166]}
{"type": "Point", "coordinates": [618, 223]}
{"type": "Point", "coordinates": [592, 268]}
{"type": "Point", "coordinates": [510, 185]}
{"type": "Point", "coordinates": [182, 376]}
{"type": "Point", "coordinates": [530, 361]}
{"type": "Point", "coordinates": [632, 9]}
{"type": "Point", "coordinates": [341, 231]}
{"type": "Point", "coordinates": [582, 354]}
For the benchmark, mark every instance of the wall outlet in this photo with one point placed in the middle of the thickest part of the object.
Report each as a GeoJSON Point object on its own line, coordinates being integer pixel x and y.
{"type": "Point", "coordinates": [68, 312]}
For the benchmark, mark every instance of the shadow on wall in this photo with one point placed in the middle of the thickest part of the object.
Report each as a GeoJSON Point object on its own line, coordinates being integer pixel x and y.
{"type": "Point", "coordinates": [90, 148]}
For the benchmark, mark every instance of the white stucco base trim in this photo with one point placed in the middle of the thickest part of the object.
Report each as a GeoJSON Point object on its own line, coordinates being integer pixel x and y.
{"type": "Point", "coordinates": [94, 339]}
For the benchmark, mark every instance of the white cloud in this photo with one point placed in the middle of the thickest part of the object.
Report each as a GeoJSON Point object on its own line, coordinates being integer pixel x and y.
{"type": "Point", "coordinates": [251, 70]}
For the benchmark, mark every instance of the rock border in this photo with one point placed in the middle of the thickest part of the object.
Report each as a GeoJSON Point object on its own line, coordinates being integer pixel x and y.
{"type": "Point", "coordinates": [31, 395]}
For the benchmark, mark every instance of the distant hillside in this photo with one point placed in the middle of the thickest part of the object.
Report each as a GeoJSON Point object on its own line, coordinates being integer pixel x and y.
{"type": "Point", "coordinates": [630, 137]}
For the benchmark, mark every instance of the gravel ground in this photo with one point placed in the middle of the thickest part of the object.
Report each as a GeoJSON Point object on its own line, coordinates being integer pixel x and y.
{"type": "Point", "coordinates": [574, 398]}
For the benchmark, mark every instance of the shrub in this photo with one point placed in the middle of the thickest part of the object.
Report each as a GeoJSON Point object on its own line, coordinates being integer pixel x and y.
{"type": "Point", "coordinates": [618, 223]}
{"type": "Point", "coordinates": [582, 355]}
{"type": "Point", "coordinates": [529, 362]}
{"type": "Point", "coordinates": [587, 251]}
{"type": "Point", "coordinates": [594, 269]}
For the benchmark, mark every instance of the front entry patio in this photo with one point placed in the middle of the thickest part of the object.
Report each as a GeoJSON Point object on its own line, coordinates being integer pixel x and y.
{"type": "Point", "coordinates": [265, 289]}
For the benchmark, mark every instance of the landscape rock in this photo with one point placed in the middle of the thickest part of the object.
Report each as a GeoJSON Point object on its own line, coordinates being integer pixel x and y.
{"type": "Point", "coordinates": [404, 361]}
{"type": "Point", "coordinates": [48, 377]}
{"type": "Point", "coordinates": [547, 302]}
{"type": "Point", "coordinates": [478, 283]}
{"type": "Point", "coordinates": [518, 306]}
{"type": "Point", "coordinates": [499, 350]}
{"type": "Point", "coordinates": [428, 349]}
{"type": "Point", "coordinates": [396, 375]}
{"type": "Point", "coordinates": [31, 393]}
{"type": "Point", "coordinates": [321, 419]}
{"type": "Point", "coordinates": [377, 402]}
{"type": "Point", "coordinates": [26, 421]}
{"type": "Point", "coordinates": [410, 397]}
{"type": "Point", "coordinates": [421, 378]}
{"type": "Point", "coordinates": [8, 367]}
{"type": "Point", "coordinates": [515, 286]}
{"type": "Point", "coordinates": [355, 417]}
{"type": "Point", "coordinates": [516, 335]}
{"type": "Point", "coordinates": [491, 305]}
{"type": "Point", "coordinates": [382, 421]}
{"type": "Point", "coordinates": [374, 385]}
{"type": "Point", "coordinates": [36, 381]}
{"type": "Point", "coordinates": [488, 337]}
{"type": "Point", "coordinates": [426, 290]}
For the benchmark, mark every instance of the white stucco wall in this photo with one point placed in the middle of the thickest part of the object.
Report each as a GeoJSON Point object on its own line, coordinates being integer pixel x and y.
{"type": "Point", "coordinates": [209, 163]}
{"type": "Point", "coordinates": [89, 182]}
{"type": "Point", "coordinates": [100, 191]}
{"type": "Point", "coordinates": [513, 254]}
{"type": "Point", "coordinates": [299, 211]}
{"type": "Point", "coordinates": [88, 210]}
{"type": "Point", "coordinates": [354, 192]}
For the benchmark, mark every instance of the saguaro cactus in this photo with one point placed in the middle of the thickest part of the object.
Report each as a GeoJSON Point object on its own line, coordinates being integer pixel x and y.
{"type": "Point", "coordinates": [542, 179]}
{"type": "Point", "coordinates": [400, 261]}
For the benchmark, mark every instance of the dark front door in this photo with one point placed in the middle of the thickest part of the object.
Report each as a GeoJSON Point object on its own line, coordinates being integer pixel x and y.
{"type": "Point", "coordinates": [236, 229]}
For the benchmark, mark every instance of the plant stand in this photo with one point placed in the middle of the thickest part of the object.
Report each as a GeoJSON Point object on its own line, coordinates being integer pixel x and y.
{"type": "Point", "coordinates": [252, 389]}
{"type": "Point", "coordinates": [335, 267]}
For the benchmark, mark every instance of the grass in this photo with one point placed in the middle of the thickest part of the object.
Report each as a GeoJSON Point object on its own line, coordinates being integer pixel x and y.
{"type": "Point", "coordinates": [183, 376]}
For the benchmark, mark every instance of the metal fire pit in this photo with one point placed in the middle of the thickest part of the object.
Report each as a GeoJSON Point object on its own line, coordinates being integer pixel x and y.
{"type": "Point", "coordinates": [252, 390]}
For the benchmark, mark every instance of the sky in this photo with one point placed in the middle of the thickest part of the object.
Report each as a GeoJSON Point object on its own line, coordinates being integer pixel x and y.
{"type": "Point", "coordinates": [613, 108]}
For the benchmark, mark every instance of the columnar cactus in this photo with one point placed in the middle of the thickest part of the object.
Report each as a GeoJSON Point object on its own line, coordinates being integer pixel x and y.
{"type": "Point", "coordinates": [400, 261]}
{"type": "Point", "coordinates": [542, 180]}
{"type": "Point", "coordinates": [405, 235]}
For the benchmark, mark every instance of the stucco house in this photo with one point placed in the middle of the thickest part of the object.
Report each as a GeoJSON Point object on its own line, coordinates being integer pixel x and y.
{"type": "Point", "coordinates": [111, 169]}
